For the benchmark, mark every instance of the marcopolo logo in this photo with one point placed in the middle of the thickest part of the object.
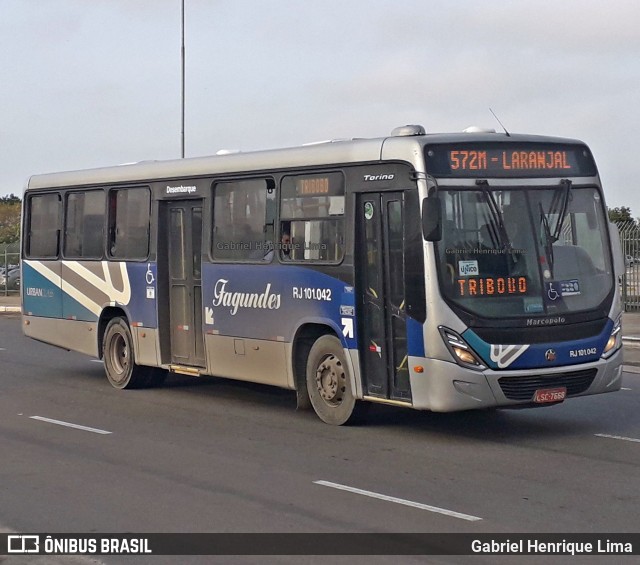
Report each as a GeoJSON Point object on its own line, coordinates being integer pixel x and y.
{"type": "Point", "coordinates": [181, 189]}
{"type": "Point", "coordinates": [545, 321]}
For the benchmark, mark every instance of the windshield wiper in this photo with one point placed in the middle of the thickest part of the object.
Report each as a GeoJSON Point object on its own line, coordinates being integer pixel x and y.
{"type": "Point", "coordinates": [548, 238]}
{"type": "Point", "coordinates": [559, 205]}
{"type": "Point", "coordinates": [496, 220]}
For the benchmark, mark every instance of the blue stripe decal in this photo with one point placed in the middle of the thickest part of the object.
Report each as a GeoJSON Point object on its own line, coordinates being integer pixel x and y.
{"type": "Point", "coordinates": [415, 338]}
{"type": "Point", "coordinates": [541, 355]}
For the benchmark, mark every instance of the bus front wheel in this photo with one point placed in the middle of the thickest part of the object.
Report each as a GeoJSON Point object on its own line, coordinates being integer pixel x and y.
{"type": "Point", "coordinates": [328, 381]}
{"type": "Point", "coordinates": [119, 364]}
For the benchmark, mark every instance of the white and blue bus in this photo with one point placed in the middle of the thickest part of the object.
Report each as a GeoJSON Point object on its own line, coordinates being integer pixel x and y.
{"type": "Point", "coordinates": [439, 272]}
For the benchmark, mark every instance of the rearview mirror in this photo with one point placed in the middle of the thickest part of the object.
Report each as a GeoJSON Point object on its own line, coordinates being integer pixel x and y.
{"type": "Point", "coordinates": [431, 216]}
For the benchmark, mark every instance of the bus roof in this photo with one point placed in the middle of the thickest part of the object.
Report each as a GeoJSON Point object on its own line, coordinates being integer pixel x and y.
{"type": "Point", "coordinates": [396, 148]}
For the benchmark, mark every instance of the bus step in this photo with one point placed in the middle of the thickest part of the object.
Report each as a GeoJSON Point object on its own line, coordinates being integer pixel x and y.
{"type": "Point", "coordinates": [405, 403]}
{"type": "Point", "coordinates": [182, 370]}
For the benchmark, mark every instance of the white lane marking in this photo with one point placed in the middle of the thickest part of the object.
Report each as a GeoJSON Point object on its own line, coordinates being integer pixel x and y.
{"type": "Point", "coordinates": [2, 349]}
{"type": "Point", "coordinates": [619, 437]}
{"type": "Point", "coordinates": [623, 388]}
{"type": "Point", "coordinates": [96, 360]}
{"type": "Point", "coordinates": [69, 425]}
{"type": "Point", "coordinates": [399, 501]}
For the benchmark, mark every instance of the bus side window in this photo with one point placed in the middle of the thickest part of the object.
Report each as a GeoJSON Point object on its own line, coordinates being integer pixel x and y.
{"type": "Point", "coordinates": [313, 206]}
{"type": "Point", "coordinates": [92, 236]}
{"type": "Point", "coordinates": [243, 220]}
{"type": "Point", "coordinates": [129, 221]}
{"type": "Point", "coordinates": [44, 217]}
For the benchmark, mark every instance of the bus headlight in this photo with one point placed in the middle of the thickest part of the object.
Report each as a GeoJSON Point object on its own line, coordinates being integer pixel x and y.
{"type": "Point", "coordinates": [615, 341]}
{"type": "Point", "coordinates": [460, 350]}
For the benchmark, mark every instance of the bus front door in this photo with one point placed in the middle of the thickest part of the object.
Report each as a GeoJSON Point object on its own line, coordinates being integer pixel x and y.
{"type": "Point", "coordinates": [381, 295]}
{"type": "Point", "coordinates": [185, 284]}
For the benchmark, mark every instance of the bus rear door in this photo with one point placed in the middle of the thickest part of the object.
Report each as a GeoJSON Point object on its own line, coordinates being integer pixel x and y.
{"type": "Point", "coordinates": [185, 284]}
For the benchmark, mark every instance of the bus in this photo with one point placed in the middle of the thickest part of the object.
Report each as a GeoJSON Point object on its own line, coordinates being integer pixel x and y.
{"type": "Point", "coordinates": [440, 272]}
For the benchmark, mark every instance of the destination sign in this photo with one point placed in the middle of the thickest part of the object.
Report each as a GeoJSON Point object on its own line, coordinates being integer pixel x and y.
{"type": "Point", "coordinates": [300, 186]}
{"type": "Point", "coordinates": [312, 187]}
{"type": "Point", "coordinates": [491, 286]}
{"type": "Point", "coordinates": [509, 160]}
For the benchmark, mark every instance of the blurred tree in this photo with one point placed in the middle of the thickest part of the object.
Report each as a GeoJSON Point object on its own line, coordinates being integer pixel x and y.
{"type": "Point", "coordinates": [620, 215]}
{"type": "Point", "coordinates": [10, 207]}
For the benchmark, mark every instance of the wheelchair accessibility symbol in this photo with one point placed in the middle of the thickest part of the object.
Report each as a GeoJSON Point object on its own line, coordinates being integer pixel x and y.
{"type": "Point", "coordinates": [151, 290]}
{"type": "Point", "coordinates": [552, 293]}
{"type": "Point", "coordinates": [149, 276]}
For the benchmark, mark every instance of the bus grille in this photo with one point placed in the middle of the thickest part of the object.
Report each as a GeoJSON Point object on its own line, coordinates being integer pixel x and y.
{"type": "Point", "coordinates": [523, 388]}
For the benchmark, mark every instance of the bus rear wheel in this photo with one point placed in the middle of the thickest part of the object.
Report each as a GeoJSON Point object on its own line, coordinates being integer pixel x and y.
{"type": "Point", "coordinates": [329, 382]}
{"type": "Point", "coordinates": [119, 364]}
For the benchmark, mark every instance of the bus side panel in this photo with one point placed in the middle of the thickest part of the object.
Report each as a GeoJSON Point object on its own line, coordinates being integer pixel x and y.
{"type": "Point", "coordinates": [146, 343]}
{"type": "Point", "coordinates": [68, 334]}
{"type": "Point", "coordinates": [267, 302]}
{"type": "Point", "coordinates": [254, 360]}
{"type": "Point", "coordinates": [79, 300]}
{"type": "Point", "coordinates": [77, 292]}
{"type": "Point", "coordinates": [252, 313]}
{"type": "Point", "coordinates": [41, 293]}
{"type": "Point", "coordinates": [142, 294]}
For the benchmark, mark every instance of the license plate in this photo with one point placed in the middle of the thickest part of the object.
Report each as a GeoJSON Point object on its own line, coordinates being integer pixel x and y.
{"type": "Point", "coordinates": [550, 395]}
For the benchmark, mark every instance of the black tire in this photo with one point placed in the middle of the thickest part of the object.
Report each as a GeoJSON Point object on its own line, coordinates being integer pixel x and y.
{"type": "Point", "coordinates": [329, 381]}
{"type": "Point", "coordinates": [119, 363]}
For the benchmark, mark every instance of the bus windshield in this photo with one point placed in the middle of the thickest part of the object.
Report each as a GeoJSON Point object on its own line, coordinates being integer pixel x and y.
{"type": "Point", "coordinates": [524, 252]}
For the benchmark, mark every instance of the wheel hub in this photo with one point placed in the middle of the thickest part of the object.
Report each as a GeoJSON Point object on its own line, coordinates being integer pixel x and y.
{"type": "Point", "coordinates": [330, 380]}
{"type": "Point", "coordinates": [120, 355]}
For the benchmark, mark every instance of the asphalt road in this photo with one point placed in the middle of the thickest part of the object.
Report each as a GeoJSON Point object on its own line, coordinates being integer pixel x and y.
{"type": "Point", "coordinates": [209, 455]}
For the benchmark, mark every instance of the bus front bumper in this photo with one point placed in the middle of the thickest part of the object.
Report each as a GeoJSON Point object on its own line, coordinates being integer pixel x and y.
{"type": "Point", "coordinates": [447, 387]}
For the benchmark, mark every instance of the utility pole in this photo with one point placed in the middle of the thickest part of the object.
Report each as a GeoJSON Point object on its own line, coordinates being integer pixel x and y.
{"type": "Point", "coordinates": [182, 84]}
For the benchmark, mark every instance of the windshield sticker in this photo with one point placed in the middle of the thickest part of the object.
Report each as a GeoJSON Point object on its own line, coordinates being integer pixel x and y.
{"type": "Point", "coordinates": [533, 305]}
{"type": "Point", "coordinates": [569, 288]}
{"type": "Point", "coordinates": [553, 291]}
{"type": "Point", "coordinates": [468, 268]}
{"type": "Point", "coordinates": [558, 289]}
{"type": "Point", "coordinates": [368, 210]}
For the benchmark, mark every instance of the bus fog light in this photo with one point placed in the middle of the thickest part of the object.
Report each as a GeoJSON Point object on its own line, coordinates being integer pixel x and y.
{"type": "Point", "coordinates": [473, 390]}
